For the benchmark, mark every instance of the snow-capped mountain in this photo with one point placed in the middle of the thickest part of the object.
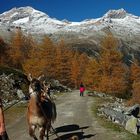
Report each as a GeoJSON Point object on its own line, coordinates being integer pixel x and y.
{"type": "Point", "coordinates": [123, 25]}
{"type": "Point", "coordinates": [30, 20]}
{"type": "Point", "coordinates": [35, 21]}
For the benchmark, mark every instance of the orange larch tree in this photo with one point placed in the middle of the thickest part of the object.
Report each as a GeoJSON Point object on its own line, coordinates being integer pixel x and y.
{"type": "Point", "coordinates": [114, 78]}
{"type": "Point", "coordinates": [83, 63]}
{"type": "Point", "coordinates": [41, 59]}
{"type": "Point", "coordinates": [135, 71]}
{"type": "Point", "coordinates": [75, 70]}
{"type": "Point", "coordinates": [92, 75]}
{"type": "Point", "coordinates": [20, 47]}
{"type": "Point", "coordinates": [108, 73]}
{"type": "Point", "coordinates": [114, 72]}
{"type": "Point", "coordinates": [64, 60]}
{"type": "Point", "coordinates": [135, 80]}
{"type": "Point", "coordinates": [3, 52]}
{"type": "Point", "coordinates": [34, 64]}
{"type": "Point", "coordinates": [48, 54]}
{"type": "Point", "coordinates": [15, 51]}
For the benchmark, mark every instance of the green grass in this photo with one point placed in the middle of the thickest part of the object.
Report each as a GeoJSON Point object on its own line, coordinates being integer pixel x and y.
{"type": "Point", "coordinates": [109, 125]}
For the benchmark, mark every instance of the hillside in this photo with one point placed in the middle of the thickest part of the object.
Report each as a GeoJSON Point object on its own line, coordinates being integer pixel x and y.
{"type": "Point", "coordinates": [85, 35]}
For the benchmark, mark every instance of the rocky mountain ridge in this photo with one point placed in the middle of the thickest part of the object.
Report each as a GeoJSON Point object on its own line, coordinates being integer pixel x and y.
{"type": "Point", "coordinates": [85, 35]}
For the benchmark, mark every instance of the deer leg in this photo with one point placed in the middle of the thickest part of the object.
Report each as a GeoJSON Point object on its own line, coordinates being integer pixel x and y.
{"type": "Point", "coordinates": [42, 132]}
{"type": "Point", "coordinates": [47, 134]}
{"type": "Point", "coordinates": [32, 131]}
{"type": "Point", "coordinates": [49, 125]}
{"type": "Point", "coordinates": [48, 128]}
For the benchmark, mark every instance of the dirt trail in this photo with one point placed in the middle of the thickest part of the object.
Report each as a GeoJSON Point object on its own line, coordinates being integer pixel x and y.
{"type": "Point", "coordinates": [74, 118]}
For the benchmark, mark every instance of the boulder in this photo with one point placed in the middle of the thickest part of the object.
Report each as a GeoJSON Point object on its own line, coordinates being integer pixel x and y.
{"type": "Point", "coordinates": [56, 86]}
{"type": "Point", "coordinates": [117, 112]}
{"type": "Point", "coordinates": [134, 110]}
{"type": "Point", "coordinates": [114, 116]}
{"type": "Point", "coordinates": [7, 91]}
{"type": "Point", "coordinates": [10, 88]}
{"type": "Point", "coordinates": [20, 94]}
{"type": "Point", "coordinates": [131, 125]}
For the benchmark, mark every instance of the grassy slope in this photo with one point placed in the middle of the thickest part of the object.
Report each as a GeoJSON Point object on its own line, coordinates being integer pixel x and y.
{"type": "Point", "coordinates": [15, 113]}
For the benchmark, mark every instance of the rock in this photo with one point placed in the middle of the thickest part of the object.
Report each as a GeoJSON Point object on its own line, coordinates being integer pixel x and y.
{"type": "Point", "coordinates": [20, 94]}
{"type": "Point", "coordinates": [134, 110]}
{"type": "Point", "coordinates": [6, 87]}
{"type": "Point", "coordinates": [117, 112]}
{"type": "Point", "coordinates": [8, 91]}
{"type": "Point", "coordinates": [58, 87]}
{"type": "Point", "coordinates": [114, 116]}
{"type": "Point", "coordinates": [131, 125]}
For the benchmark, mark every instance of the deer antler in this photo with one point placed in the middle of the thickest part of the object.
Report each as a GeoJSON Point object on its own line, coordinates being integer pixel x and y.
{"type": "Point", "coordinates": [29, 77]}
{"type": "Point", "coordinates": [41, 77]}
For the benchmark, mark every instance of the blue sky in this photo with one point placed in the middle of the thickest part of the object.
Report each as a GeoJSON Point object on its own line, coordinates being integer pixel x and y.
{"type": "Point", "coordinates": [74, 10]}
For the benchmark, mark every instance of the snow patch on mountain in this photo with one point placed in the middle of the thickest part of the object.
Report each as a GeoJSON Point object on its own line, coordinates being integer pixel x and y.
{"type": "Point", "coordinates": [122, 24]}
{"type": "Point", "coordinates": [86, 34]}
{"type": "Point", "coordinates": [23, 20]}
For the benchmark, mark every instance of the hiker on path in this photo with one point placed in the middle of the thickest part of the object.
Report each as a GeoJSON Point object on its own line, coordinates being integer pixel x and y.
{"type": "Point", "coordinates": [82, 89]}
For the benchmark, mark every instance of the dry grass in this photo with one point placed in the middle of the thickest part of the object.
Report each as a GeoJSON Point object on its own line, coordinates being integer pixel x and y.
{"type": "Point", "coordinates": [14, 113]}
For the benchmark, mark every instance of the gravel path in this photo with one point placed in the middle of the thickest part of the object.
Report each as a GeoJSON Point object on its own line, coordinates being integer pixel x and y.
{"type": "Point", "coordinates": [74, 118]}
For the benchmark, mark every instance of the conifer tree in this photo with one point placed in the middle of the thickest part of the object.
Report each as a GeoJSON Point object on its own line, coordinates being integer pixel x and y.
{"type": "Point", "coordinates": [83, 63]}
{"type": "Point", "coordinates": [135, 71]}
{"type": "Point", "coordinates": [48, 53]}
{"type": "Point", "coordinates": [75, 70]}
{"type": "Point", "coordinates": [92, 75]}
{"type": "Point", "coordinates": [34, 64]}
{"type": "Point", "coordinates": [135, 80]}
{"type": "Point", "coordinates": [108, 73]}
{"type": "Point", "coordinates": [15, 51]}
{"type": "Point", "coordinates": [3, 52]}
{"type": "Point", "coordinates": [20, 48]}
{"type": "Point", "coordinates": [114, 74]}
{"type": "Point", "coordinates": [64, 63]}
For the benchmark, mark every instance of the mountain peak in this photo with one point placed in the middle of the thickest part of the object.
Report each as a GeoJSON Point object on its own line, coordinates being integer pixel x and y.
{"type": "Point", "coordinates": [22, 10]}
{"type": "Point", "coordinates": [21, 14]}
{"type": "Point", "coordinates": [15, 9]}
{"type": "Point", "coordinates": [120, 13]}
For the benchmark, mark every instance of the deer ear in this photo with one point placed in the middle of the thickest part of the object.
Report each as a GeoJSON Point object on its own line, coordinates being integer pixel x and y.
{"type": "Point", "coordinates": [41, 77]}
{"type": "Point", "coordinates": [29, 77]}
{"type": "Point", "coordinates": [44, 83]}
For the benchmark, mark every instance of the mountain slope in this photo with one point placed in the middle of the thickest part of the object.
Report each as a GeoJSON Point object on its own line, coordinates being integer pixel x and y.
{"type": "Point", "coordinates": [85, 34]}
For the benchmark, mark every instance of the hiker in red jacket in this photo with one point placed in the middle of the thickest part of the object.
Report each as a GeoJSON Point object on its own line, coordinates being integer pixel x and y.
{"type": "Point", "coordinates": [82, 89]}
{"type": "Point", "coordinates": [3, 134]}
